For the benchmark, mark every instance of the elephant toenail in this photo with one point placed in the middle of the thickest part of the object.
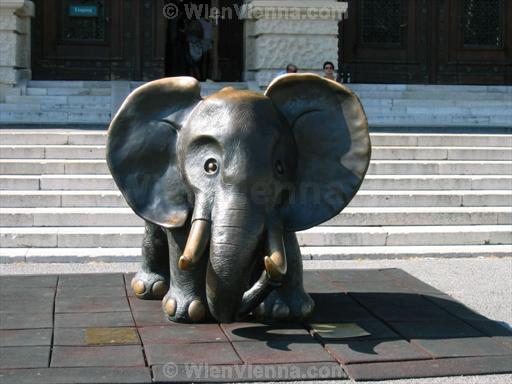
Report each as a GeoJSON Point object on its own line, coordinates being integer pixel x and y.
{"type": "Point", "coordinates": [159, 289]}
{"type": "Point", "coordinates": [280, 311]}
{"type": "Point", "coordinates": [307, 308]}
{"type": "Point", "coordinates": [138, 287]}
{"type": "Point", "coordinates": [170, 307]}
{"type": "Point", "coordinates": [196, 311]}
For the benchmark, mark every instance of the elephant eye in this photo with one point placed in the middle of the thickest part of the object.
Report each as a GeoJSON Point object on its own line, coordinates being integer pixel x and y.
{"type": "Point", "coordinates": [279, 167]}
{"type": "Point", "coordinates": [211, 167]}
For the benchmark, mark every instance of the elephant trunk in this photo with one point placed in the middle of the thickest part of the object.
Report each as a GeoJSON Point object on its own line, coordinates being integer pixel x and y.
{"type": "Point", "coordinates": [236, 233]}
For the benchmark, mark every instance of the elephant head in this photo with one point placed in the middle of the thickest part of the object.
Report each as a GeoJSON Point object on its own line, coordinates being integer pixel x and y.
{"type": "Point", "coordinates": [240, 168]}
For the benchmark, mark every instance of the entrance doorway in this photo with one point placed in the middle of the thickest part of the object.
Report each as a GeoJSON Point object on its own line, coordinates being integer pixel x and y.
{"type": "Point", "coordinates": [427, 42]}
{"type": "Point", "coordinates": [130, 40]}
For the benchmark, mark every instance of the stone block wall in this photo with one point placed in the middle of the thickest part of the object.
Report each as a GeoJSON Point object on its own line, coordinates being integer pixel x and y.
{"type": "Point", "coordinates": [279, 32]}
{"type": "Point", "coordinates": [15, 19]}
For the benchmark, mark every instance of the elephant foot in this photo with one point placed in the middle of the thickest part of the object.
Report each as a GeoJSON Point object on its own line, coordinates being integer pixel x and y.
{"type": "Point", "coordinates": [147, 285]}
{"type": "Point", "coordinates": [182, 309]}
{"type": "Point", "coordinates": [285, 305]}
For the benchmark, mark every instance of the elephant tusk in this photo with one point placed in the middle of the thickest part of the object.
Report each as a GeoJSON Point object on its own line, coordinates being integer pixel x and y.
{"type": "Point", "coordinates": [275, 264]}
{"type": "Point", "coordinates": [196, 244]}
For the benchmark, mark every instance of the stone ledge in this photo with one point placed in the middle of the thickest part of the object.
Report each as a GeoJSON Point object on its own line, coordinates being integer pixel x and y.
{"type": "Point", "coordinates": [294, 10]}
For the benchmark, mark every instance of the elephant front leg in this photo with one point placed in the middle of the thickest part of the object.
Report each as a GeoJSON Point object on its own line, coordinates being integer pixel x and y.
{"type": "Point", "coordinates": [185, 301]}
{"type": "Point", "coordinates": [152, 281]}
{"type": "Point", "coordinates": [288, 302]}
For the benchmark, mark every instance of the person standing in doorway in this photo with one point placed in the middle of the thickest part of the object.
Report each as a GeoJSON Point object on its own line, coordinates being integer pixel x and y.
{"type": "Point", "coordinates": [329, 71]}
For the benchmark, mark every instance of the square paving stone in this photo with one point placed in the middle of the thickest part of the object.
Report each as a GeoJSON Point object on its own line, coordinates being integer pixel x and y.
{"type": "Point", "coordinates": [25, 337]}
{"type": "Point", "coordinates": [19, 293]}
{"type": "Point", "coordinates": [198, 353]}
{"type": "Point", "coordinates": [315, 282]}
{"type": "Point", "coordinates": [353, 275]}
{"type": "Point", "coordinates": [278, 352]}
{"type": "Point", "coordinates": [430, 368]}
{"type": "Point", "coordinates": [454, 307]}
{"type": "Point", "coordinates": [495, 330]}
{"type": "Point", "coordinates": [92, 280]}
{"type": "Point", "coordinates": [105, 356]}
{"type": "Point", "coordinates": [337, 308]}
{"type": "Point", "coordinates": [27, 306]}
{"type": "Point", "coordinates": [98, 319]}
{"type": "Point", "coordinates": [366, 351]}
{"type": "Point", "coordinates": [24, 357]}
{"type": "Point", "coordinates": [435, 329]}
{"type": "Point", "coordinates": [371, 286]}
{"type": "Point", "coordinates": [150, 318]}
{"type": "Point", "coordinates": [97, 375]}
{"type": "Point", "coordinates": [262, 332]}
{"type": "Point", "coordinates": [182, 334]}
{"type": "Point", "coordinates": [375, 328]}
{"type": "Point", "coordinates": [140, 305]}
{"type": "Point", "coordinates": [248, 373]}
{"type": "Point", "coordinates": [91, 304]}
{"type": "Point", "coordinates": [407, 280]}
{"type": "Point", "coordinates": [462, 347]}
{"type": "Point", "coordinates": [96, 336]}
{"type": "Point", "coordinates": [26, 320]}
{"type": "Point", "coordinates": [402, 307]}
{"type": "Point", "coordinates": [28, 281]}
{"type": "Point", "coordinates": [99, 291]}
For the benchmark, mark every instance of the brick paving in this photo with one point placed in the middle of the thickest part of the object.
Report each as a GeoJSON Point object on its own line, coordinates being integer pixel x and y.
{"type": "Point", "coordinates": [368, 325]}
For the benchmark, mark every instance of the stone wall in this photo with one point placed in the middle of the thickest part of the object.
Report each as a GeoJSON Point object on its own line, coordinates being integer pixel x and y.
{"type": "Point", "coordinates": [15, 18]}
{"type": "Point", "coordinates": [279, 32]}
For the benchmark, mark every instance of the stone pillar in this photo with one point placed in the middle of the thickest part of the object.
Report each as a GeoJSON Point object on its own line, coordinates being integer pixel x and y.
{"type": "Point", "coordinates": [15, 19]}
{"type": "Point", "coordinates": [279, 32]}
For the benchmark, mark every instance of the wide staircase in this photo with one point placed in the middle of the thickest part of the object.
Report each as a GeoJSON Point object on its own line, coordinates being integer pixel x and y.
{"type": "Point", "coordinates": [93, 102]}
{"type": "Point", "coordinates": [425, 195]}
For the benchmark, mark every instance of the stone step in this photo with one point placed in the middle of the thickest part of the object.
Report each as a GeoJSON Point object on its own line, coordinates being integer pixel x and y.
{"type": "Point", "coordinates": [68, 84]}
{"type": "Point", "coordinates": [126, 237]}
{"type": "Point", "coordinates": [378, 153]}
{"type": "Point", "coordinates": [411, 110]}
{"type": "Point", "coordinates": [98, 137]}
{"type": "Point", "coordinates": [78, 100]}
{"type": "Point", "coordinates": [432, 88]}
{"type": "Point", "coordinates": [54, 108]}
{"type": "Point", "coordinates": [121, 255]}
{"type": "Point", "coordinates": [404, 252]}
{"type": "Point", "coordinates": [47, 199]}
{"type": "Point", "coordinates": [435, 182]}
{"type": "Point", "coordinates": [56, 198]}
{"type": "Point", "coordinates": [428, 96]}
{"type": "Point", "coordinates": [351, 216]}
{"type": "Point", "coordinates": [51, 117]}
{"type": "Point", "coordinates": [431, 120]}
{"type": "Point", "coordinates": [371, 182]}
{"type": "Point", "coordinates": [377, 167]}
{"type": "Point", "coordinates": [69, 91]}
{"type": "Point", "coordinates": [438, 140]}
{"type": "Point", "coordinates": [52, 137]}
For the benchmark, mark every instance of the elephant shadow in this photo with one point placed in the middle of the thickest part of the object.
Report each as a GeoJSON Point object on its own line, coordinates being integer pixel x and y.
{"type": "Point", "coordinates": [378, 317]}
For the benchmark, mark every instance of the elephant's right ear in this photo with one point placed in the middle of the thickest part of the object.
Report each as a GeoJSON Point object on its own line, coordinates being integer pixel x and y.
{"type": "Point", "coordinates": [141, 149]}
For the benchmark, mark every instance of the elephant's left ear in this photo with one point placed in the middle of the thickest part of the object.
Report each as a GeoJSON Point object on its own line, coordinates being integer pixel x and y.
{"type": "Point", "coordinates": [333, 144]}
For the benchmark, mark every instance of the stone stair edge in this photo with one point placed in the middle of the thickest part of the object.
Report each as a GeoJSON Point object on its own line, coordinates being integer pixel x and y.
{"type": "Point", "coordinates": [84, 255]}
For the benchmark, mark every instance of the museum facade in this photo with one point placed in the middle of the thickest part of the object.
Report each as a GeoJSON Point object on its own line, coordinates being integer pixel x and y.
{"type": "Point", "coordinates": [371, 41]}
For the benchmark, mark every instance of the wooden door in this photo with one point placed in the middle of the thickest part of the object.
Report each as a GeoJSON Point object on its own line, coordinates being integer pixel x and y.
{"type": "Point", "coordinates": [474, 42]}
{"type": "Point", "coordinates": [427, 41]}
{"type": "Point", "coordinates": [81, 40]}
{"type": "Point", "coordinates": [384, 41]}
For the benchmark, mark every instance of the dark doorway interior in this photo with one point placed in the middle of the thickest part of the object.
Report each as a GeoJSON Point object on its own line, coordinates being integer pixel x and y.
{"type": "Point", "coordinates": [133, 40]}
{"type": "Point", "coordinates": [427, 42]}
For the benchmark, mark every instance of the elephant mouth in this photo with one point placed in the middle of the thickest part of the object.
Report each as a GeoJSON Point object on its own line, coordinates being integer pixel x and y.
{"type": "Point", "coordinates": [271, 270]}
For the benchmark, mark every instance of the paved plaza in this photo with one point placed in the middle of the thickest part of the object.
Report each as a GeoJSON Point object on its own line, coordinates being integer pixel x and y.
{"type": "Point", "coordinates": [370, 323]}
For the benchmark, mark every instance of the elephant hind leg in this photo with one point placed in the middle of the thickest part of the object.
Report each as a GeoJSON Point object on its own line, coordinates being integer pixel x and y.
{"type": "Point", "coordinates": [152, 281]}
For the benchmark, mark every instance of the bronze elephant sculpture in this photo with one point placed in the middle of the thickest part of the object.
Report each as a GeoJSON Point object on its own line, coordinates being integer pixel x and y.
{"type": "Point", "coordinates": [223, 183]}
